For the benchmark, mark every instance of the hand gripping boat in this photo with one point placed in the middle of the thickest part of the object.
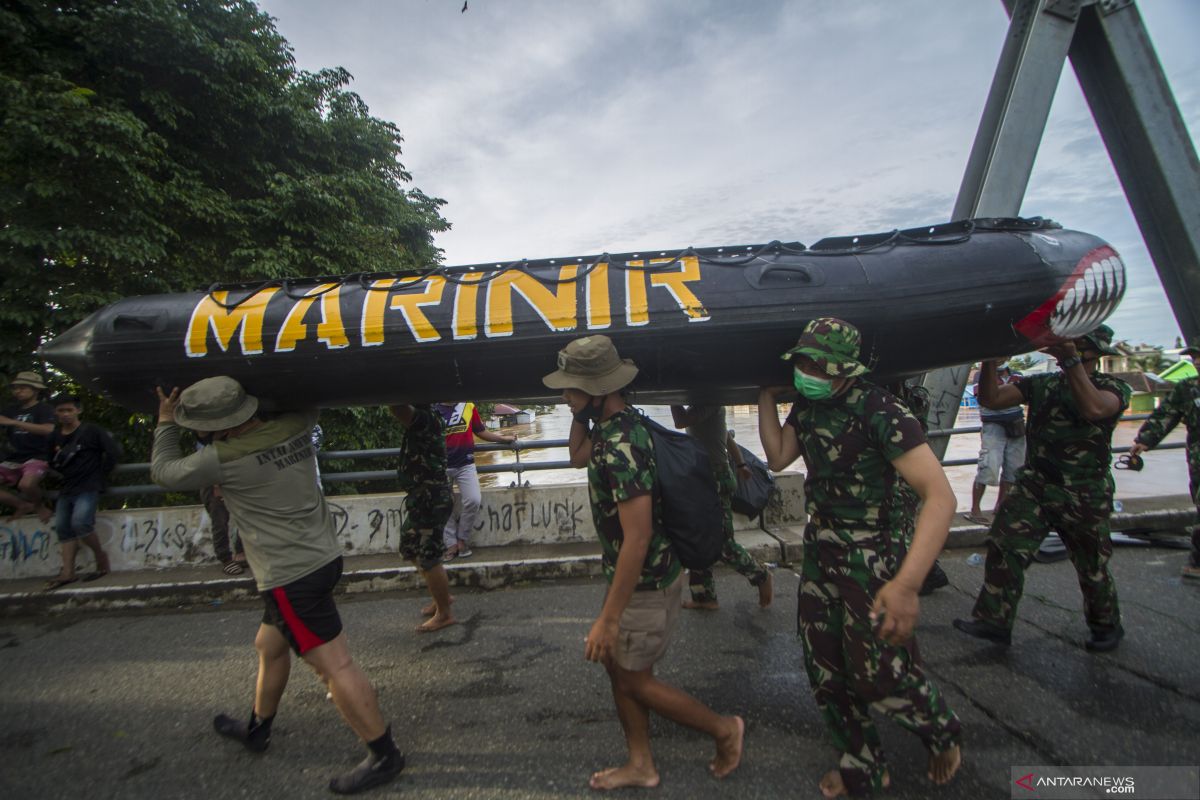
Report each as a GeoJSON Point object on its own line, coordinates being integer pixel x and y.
{"type": "Point", "coordinates": [702, 324]}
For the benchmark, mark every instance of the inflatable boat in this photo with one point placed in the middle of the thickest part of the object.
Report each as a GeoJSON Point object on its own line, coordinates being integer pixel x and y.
{"type": "Point", "coordinates": [703, 324]}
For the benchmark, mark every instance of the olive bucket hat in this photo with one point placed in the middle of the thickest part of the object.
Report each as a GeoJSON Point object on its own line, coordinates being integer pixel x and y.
{"type": "Point", "coordinates": [591, 364]}
{"type": "Point", "coordinates": [215, 404]}
{"type": "Point", "coordinates": [1101, 338]}
{"type": "Point", "coordinates": [833, 345]}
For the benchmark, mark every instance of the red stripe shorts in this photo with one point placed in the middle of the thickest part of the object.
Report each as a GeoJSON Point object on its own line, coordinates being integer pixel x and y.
{"type": "Point", "coordinates": [304, 611]}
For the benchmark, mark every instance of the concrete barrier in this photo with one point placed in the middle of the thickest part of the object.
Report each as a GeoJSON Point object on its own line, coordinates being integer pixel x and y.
{"type": "Point", "coordinates": [179, 536]}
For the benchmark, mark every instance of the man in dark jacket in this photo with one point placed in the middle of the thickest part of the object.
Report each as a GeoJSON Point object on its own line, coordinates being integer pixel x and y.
{"type": "Point", "coordinates": [83, 454]}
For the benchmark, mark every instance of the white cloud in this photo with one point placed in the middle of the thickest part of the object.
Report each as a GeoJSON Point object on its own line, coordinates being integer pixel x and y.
{"type": "Point", "coordinates": [557, 128]}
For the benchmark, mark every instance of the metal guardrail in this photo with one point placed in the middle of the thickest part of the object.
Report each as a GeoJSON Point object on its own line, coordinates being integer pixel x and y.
{"type": "Point", "coordinates": [370, 475]}
{"type": "Point", "coordinates": [516, 466]}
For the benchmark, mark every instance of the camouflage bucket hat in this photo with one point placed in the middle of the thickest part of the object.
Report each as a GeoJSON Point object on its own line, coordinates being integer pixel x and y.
{"type": "Point", "coordinates": [215, 404]}
{"type": "Point", "coordinates": [592, 365]}
{"type": "Point", "coordinates": [1192, 349]}
{"type": "Point", "coordinates": [1101, 339]}
{"type": "Point", "coordinates": [833, 345]}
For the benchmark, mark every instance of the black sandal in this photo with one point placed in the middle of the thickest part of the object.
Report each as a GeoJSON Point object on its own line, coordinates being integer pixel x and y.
{"type": "Point", "coordinates": [57, 583]}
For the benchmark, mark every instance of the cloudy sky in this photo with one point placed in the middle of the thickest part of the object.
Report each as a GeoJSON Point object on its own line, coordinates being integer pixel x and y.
{"type": "Point", "coordinates": [563, 127]}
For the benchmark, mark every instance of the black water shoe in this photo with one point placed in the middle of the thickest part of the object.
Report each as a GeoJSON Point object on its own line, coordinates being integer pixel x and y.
{"type": "Point", "coordinates": [984, 630]}
{"type": "Point", "coordinates": [935, 580]}
{"type": "Point", "coordinates": [1103, 640]}
{"type": "Point", "coordinates": [255, 739]}
{"type": "Point", "coordinates": [373, 771]}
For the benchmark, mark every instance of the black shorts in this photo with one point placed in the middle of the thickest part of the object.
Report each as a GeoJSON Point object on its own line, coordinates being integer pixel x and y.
{"type": "Point", "coordinates": [303, 610]}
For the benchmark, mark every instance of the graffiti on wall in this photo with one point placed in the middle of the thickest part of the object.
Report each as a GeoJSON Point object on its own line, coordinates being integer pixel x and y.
{"type": "Point", "coordinates": [19, 545]}
{"type": "Point", "coordinates": [380, 525]}
{"type": "Point", "coordinates": [534, 519]}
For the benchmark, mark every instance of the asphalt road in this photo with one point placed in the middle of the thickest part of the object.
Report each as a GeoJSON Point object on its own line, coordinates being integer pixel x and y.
{"type": "Point", "coordinates": [504, 706]}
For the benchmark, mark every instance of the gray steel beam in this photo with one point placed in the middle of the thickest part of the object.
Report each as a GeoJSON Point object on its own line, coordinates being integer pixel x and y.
{"type": "Point", "coordinates": [1016, 111]}
{"type": "Point", "coordinates": [1006, 144]}
{"type": "Point", "coordinates": [1149, 145]}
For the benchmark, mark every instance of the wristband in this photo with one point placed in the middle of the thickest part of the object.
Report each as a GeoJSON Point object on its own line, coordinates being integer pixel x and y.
{"type": "Point", "coordinates": [1067, 363]}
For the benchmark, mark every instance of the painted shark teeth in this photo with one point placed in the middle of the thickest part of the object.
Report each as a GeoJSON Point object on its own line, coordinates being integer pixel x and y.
{"type": "Point", "coordinates": [1089, 295]}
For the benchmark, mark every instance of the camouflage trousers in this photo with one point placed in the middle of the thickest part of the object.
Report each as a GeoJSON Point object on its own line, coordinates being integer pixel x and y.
{"type": "Point", "coordinates": [426, 509]}
{"type": "Point", "coordinates": [850, 669]}
{"type": "Point", "coordinates": [700, 581]}
{"type": "Point", "coordinates": [1193, 460]}
{"type": "Point", "coordinates": [1030, 511]}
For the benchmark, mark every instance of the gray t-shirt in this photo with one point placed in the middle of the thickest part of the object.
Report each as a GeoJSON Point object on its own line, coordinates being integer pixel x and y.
{"type": "Point", "coordinates": [268, 477]}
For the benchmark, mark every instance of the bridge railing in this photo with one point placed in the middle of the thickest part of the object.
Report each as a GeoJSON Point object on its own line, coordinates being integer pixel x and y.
{"type": "Point", "coordinates": [516, 466]}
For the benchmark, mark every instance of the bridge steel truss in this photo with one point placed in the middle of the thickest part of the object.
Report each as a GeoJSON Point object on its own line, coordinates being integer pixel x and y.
{"type": "Point", "coordinates": [1139, 122]}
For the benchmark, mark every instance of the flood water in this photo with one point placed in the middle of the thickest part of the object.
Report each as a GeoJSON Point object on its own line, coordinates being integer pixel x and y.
{"type": "Point", "coordinates": [1165, 472]}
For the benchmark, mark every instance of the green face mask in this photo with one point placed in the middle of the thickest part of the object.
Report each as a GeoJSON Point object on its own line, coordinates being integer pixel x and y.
{"type": "Point", "coordinates": [810, 387]}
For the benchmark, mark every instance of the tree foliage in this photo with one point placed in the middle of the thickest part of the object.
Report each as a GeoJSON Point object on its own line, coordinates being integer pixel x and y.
{"type": "Point", "coordinates": [164, 145]}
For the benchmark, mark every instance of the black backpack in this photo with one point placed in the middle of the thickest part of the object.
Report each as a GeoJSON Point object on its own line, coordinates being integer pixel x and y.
{"type": "Point", "coordinates": [753, 495]}
{"type": "Point", "coordinates": [691, 509]}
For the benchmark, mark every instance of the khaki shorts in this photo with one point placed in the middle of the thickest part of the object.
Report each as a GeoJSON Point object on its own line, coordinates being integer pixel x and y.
{"type": "Point", "coordinates": [647, 625]}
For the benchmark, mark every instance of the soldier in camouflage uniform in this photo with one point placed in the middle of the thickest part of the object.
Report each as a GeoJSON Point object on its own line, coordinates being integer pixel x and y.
{"type": "Point", "coordinates": [859, 581]}
{"type": "Point", "coordinates": [427, 505]}
{"type": "Point", "coordinates": [916, 398]}
{"type": "Point", "coordinates": [643, 599]}
{"type": "Point", "coordinates": [1065, 485]}
{"type": "Point", "coordinates": [707, 425]}
{"type": "Point", "coordinates": [1182, 405]}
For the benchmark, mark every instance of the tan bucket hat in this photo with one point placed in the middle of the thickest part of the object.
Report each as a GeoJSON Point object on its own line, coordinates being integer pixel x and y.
{"type": "Point", "coordinates": [28, 379]}
{"type": "Point", "coordinates": [591, 364]}
{"type": "Point", "coordinates": [215, 404]}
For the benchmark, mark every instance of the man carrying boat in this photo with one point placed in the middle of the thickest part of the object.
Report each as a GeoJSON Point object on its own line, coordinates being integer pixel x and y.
{"type": "Point", "coordinates": [858, 600]}
{"type": "Point", "coordinates": [1066, 485]}
{"type": "Point", "coordinates": [268, 475]}
{"type": "Point", "coordinates": [1181, 405]}
{"type": "Point", "coordinates": [642, 604]}
{"type": "Point", "coordinates": [707, 425]}
{"type": "Point", "coordinates": [428, 503]}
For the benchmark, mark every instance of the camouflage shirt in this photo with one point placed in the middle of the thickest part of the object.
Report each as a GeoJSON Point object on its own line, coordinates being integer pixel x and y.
{"type": "Point", "coordinates": [848, 443]}
{"type": "Point", "coordinates": [1064, 448]}
{"type": "Point", "coordinates": [423, 453]}
{"type": "Point", "coordinates": [622, 468]}
{"type": "Point", "coordinates": [1181, 405]}
{"type": "Point", "coordinates": [916, 399]}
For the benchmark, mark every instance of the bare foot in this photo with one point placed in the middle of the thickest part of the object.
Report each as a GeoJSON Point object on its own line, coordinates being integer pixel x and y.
{"type": "Point", "coordinates": [729, 750]}
{"type": "Point", "coordinates": [766, 591]}
{"type": "Point", "coordinates": [943, 766]}
{"type": "Point", "coordinates": [832, 785]}
{"type": "Point", "coordinates": [44, 514]}
{"type": "Point", "coordinates": [626, 776]}
{"type": "Point", "coordinates": [436, 623]}
{"type": "Point", "coordinates": [701, 605]}
{"type": "Point", "coordinates": [431, 609]}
